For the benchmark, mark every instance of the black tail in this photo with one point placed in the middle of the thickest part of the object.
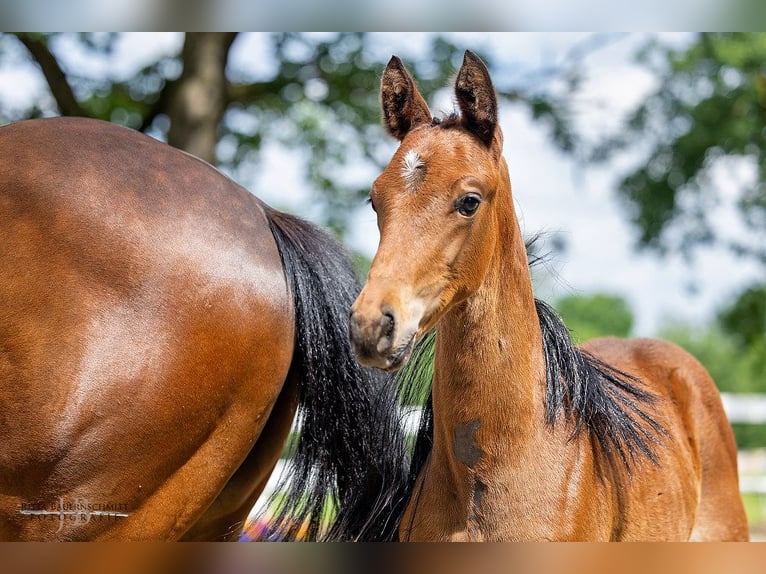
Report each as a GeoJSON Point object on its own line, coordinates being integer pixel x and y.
{"type": "Point", "coordinates": [351, 453]}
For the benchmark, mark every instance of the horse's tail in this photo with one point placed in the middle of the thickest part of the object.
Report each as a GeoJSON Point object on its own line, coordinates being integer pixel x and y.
{"type": "Point", "coordinates": [351, 454]}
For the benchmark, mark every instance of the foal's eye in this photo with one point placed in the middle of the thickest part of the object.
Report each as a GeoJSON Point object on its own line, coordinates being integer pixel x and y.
{"type": "Point", "coordinates": [468, 204]}
{"type": "Point", "coordinates": [372, 204]}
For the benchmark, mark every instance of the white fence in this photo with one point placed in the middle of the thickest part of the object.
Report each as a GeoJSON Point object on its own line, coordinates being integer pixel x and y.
{"type": "Point", "coordinates": [749, 409]}
{"type": "Point", "coordinates": [745, 408]}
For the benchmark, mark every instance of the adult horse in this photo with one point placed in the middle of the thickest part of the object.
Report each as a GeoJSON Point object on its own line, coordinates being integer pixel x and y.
{"type": "Point", "coordinates": [158, 327]}
{"type": "Point", "coordinates": [533, 438]}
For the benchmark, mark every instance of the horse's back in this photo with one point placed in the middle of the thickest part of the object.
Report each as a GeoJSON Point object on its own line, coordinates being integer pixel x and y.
{"type": "Point", "coordinates": [145, 331]}
{"type": "Point", "coordinates": [699, 448]}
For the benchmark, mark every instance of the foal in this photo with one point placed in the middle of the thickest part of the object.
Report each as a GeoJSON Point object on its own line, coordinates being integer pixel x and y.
{"type": "Point", "coordinates": [533, 439]}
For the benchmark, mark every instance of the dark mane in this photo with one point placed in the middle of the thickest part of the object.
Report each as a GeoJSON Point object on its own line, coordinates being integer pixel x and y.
{"type": "Point", "coordinates": [447, 122]}
{"type": "Point", "coordinates": [594, 396]}
{"type": "Point", "coordinates": [587, 393]}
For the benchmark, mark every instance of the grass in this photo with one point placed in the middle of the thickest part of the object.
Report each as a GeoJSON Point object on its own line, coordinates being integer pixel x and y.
{"type": "Point", "coordinates": [755, 508]}
{"type": "Point", "coordinates": [257, 527]}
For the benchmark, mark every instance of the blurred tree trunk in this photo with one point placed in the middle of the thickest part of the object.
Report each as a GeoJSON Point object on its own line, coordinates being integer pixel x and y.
{"type": "Point", "coordinates": [194, 103]}
{"type": "Point", "coordinates": [197, 100]}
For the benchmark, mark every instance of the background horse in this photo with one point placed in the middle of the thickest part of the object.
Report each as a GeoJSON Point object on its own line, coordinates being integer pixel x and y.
{"type": "Point", "coordinates": [158, 327]}
{"type": "Point", "coordinates": [533, 439]}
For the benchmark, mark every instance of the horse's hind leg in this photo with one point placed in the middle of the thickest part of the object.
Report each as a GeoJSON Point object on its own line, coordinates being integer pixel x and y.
{"type": "Point", "coordinates": [720, 514]}
{"type": "Point", "coordinates": [225, 518]}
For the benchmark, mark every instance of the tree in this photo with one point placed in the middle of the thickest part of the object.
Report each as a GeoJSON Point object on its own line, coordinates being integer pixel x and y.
{"type": "Point", "coordinates": [733, 368]}
{"type": "Point", "coordinates": [321, 99]}
{"type": "Point", "coordinates": [709, 105]}
{"type": "Point", "coordinates": [708, 111]}
{"type": "Point", "coordinates": [745, 319]}
{"type": "Point", "coordinates": [733, 346]}
{"type": "Point", "coordinates": [595, 315]}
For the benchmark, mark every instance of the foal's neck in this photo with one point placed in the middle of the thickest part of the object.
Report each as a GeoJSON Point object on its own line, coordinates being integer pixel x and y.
{"type": "Point", "coordinates": [489, 387]}
{"type": "Point", "coordinates": [489, 359]}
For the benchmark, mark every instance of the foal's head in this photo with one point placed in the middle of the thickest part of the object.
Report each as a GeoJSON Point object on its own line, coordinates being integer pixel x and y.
{"type": "Point", "coordinates": [437, 204]}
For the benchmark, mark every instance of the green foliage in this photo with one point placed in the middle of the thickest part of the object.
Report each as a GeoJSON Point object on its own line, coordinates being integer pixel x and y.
{"type": "Point", "coordinates": [710, 103]}
{"type": "Point", "coordinates": [709, 106]}
{"type": "Point", "coordinates": [749, 435]}
{"type": "Point", "coordinates": [733, 350]}
{"type": "Point", "coordinates": [745, 318]}
{"type": "Point", "coordinates": [320, 97]}
{"type": "Point", "coordinates": [755, 508]}
{"type": "Point", "coordinates": [104, 96]}
{"type": "Point", "coordinates": [595, 315]}
{"type": "Point", "coordinates": [414, 380]}
{"type": "Point", "coordinates": [733, 368]}
{"type": "Point", "coordinates": [361, 265]}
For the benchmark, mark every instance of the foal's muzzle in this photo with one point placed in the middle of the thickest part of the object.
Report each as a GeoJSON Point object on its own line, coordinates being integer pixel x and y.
{"type": "Point", "coordinates": [377, 341]}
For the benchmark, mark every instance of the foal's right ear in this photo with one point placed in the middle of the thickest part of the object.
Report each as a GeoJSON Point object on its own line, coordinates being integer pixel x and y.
{"type": "Point", "coordinates": [403, 106]}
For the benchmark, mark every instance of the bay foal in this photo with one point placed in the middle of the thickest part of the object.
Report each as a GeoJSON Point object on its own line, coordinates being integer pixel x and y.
{"type": "Point", "coordinates": [533, 439]}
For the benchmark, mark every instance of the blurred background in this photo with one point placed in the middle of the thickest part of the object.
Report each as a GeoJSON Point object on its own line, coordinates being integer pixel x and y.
{"type": "Point", "coordinates": [639, 157]}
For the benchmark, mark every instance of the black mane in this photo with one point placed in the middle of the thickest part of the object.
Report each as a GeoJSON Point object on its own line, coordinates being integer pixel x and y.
{"type": "Point", "coordinates": [594, 396]}
{"type": "Point", "coordinates": [447, 122]}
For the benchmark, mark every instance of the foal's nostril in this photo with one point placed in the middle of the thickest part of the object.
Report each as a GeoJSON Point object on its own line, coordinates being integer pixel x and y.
{"type": "Point", "coordinates": [387, 325]}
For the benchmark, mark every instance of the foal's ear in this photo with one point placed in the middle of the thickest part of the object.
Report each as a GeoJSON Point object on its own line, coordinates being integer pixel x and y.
{"type": "Point", "coordinates": [476, 98]}
{"type": "Point", "coordinates": [403, 106]}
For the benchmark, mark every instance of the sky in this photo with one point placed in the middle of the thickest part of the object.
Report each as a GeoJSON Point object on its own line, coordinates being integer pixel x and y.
{"type": "Point", "coordinates": [551, 192]}
{"type": "Point", "coordinates": [543, 15]}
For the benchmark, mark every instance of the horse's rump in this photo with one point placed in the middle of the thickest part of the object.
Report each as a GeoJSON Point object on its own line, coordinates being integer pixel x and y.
{"type": "Point", "coordinates": [143, 311]}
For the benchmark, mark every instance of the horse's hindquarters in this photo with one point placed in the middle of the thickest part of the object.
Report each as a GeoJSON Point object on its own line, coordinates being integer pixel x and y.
{"type": "Point", "coordinates": [695, 483]}
{"type": "Point", "coordinates": [145, 333]}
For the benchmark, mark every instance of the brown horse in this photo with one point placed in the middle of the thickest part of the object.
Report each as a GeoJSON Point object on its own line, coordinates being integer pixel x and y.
{"type": "Point", "coordinates": [159, 325]}
{"type": "Point", "coordinates": [533, 438]}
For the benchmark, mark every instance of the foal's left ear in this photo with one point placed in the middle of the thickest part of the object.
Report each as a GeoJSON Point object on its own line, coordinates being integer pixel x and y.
{"type": "Point", "coordinates": [476, 98]}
